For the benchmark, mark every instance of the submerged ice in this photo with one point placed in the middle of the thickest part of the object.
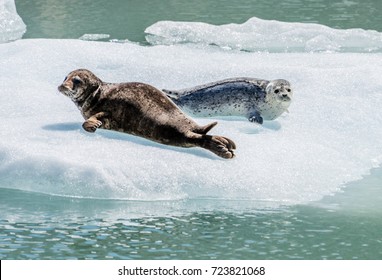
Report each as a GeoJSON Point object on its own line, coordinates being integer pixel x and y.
{"type": "Point", "coordinates": [266, 35]}
{"type": "Point", "coordinates": [12, 26]}
{"type": "Point", "coordinates": [330, 137]}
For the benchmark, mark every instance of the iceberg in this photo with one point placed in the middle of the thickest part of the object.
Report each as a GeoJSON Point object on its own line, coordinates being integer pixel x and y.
{"type": "Point", "coordinates": [329, 138]}
{"type": "Point", "coordinates": [12, 26]}
{"type": "Point", "coordinates": [266, 35]}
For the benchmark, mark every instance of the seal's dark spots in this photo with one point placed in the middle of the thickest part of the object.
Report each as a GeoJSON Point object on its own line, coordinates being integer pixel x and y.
{"type": "Point", "coordinates": [276, 91]}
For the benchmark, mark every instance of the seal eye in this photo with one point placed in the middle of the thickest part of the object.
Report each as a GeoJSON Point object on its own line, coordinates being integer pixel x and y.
{"type": "Point", "coordinates": [276, 91]}
{"type": "Point", "coordinates": [288, 90]}
{"type": "Point", "coordinates": [76, 81]}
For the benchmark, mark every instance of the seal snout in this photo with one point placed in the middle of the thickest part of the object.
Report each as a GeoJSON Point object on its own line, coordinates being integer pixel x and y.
{"type": "Point", "coordinates": [61, 88]}
{"type": "Point", "coordinates": [285, 96]}
{"type": "Point", "coordinates": [64, 89]}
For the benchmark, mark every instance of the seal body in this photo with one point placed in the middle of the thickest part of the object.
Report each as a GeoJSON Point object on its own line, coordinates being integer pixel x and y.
{"type": "Point", "coordinates": [138, 109]}
{"type": "Point", "coordinates": [254, 99]}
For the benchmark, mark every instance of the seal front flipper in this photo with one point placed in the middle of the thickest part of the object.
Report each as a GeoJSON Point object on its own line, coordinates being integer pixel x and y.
{"type": "Point", "coordinates": [92, 123]}
{"type": "Point", "coordinates": [255, 117]}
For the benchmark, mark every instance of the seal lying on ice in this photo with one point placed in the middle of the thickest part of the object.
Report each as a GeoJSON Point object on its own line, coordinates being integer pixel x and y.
{"type": "Point", "coordinates": [141, 110]}
{"type": "Point", "coordinates": [254, 99]}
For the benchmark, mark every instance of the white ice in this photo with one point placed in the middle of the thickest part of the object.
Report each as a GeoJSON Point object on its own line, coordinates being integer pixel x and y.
{"type": "Point", "coordinates": [330, 137]}
{"type": "Point", "coordinates": [12, 26]}
{"type": "Point", "coordinates": [266, 35]}
{"type": "Point", "coordinates": [94, 37]}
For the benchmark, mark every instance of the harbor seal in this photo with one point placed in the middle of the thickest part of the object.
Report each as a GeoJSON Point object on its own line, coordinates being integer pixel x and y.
{"type": "Point", "coordinates": [252, 98]}
{"type": "Point", "coordinates": [141, 110]}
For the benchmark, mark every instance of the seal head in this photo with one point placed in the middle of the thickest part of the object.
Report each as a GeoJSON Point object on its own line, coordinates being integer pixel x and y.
{"type": "Point", "coordinates": [79, 84]}
{"type": "Point", "coordinates": [281, 91]}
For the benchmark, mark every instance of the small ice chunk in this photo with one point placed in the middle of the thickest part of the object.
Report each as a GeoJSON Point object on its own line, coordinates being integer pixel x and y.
{"type": "Point", "coordinates": [94, 37]}
{"type": "Point", "coordinates": [12, 26]}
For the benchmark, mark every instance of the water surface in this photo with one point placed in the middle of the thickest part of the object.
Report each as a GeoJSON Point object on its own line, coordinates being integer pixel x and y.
{"type": "Point", "coordinates": [127, 19]}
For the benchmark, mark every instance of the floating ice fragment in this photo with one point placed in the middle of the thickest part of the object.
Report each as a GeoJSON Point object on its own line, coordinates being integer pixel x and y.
{"type": "Point", "coordinates": [12, 26]}
{"type": "Point", "coordinates": [266, 35]}
{"type": "Point", "coordinates": [94, 37]}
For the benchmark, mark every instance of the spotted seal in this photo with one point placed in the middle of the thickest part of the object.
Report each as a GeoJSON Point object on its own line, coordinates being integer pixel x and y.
{"type": "Point", "coordinates": [254, 99]}
{"type": "Point", "coordinates": [138, 109]}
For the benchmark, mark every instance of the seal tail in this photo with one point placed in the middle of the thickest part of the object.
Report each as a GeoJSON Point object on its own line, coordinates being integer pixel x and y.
{"type": "Point", "coordinates": [219, 145]}
{"type": "Point", "coordinates": [204, 129]}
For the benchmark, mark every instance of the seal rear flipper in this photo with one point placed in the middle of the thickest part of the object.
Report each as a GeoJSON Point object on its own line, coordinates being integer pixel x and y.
{"type": "Point", "coordinates": [204, 129]}
{"type": "Point", "coordinates": [219, 145]}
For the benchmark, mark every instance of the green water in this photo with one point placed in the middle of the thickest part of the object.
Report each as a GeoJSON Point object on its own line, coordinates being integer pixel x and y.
{"type": "Point", "coordinates": [346, 225]}
{"type": "Point", "coordinates": [43, 227]}
{"type": "Point", "coordinates": [127, 19]}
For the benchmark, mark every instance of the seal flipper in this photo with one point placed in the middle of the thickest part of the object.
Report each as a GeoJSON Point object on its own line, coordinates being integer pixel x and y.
{"type": "Point", "coordinates": [92, 123]}
{"type": "Point", "coordinates": [219, 145]}
{"type": "Point", "coordinates": [255, 117]}
{"type": "Point", "coordinates": [204, 129]}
